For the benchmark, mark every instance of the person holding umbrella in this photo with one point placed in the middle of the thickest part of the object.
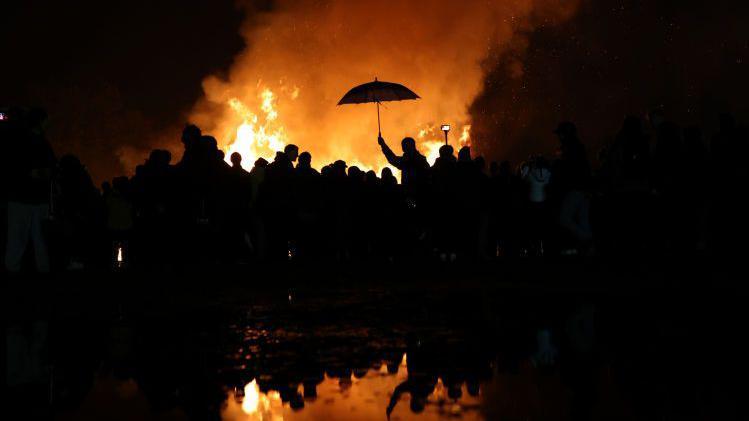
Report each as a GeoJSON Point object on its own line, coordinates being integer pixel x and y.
{"type": "Point", "coordinates": [412, 164]}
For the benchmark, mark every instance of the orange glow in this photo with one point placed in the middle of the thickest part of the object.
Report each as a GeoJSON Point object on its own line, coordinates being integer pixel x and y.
{"type": "Point", "coordinates": [258, 406]}
{"type": "Point", "coordinates": [361, 399]}
{"type": "Point", "coordinates": [301, 59]}
{"type": "Point", "coordinates": [257, 136]}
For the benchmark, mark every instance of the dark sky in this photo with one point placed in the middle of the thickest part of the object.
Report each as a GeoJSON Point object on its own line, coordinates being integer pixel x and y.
{"type": "Point", "coordinates": [114, 72]}
{"type": "Point", "coordinates": [117, 73]}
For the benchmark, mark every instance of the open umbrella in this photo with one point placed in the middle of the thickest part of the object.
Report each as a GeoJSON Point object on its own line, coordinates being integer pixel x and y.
{"type": "Point", "coordinates": [377, 92]}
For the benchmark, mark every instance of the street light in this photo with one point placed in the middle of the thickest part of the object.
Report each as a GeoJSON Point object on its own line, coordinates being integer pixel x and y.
{"type": "Point", "coordinates": [446, 129]}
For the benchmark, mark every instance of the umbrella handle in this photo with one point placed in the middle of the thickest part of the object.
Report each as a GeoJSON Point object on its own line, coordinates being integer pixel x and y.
{"type": "Point", "coordinates": [379, 130]}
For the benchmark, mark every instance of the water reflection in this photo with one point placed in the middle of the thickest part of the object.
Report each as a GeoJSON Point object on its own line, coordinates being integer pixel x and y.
{"type": "Point", "coordinates": [375, 395]}
{"type": "Point", "coordinates": [368, 355]}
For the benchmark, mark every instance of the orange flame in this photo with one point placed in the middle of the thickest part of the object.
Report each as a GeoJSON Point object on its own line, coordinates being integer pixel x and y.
{"type": "Point", "coordinates": [301, 58]}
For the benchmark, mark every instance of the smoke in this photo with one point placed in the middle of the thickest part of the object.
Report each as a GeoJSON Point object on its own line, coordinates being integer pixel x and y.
{"type": "Point", "coordinates": [616, 57]}
{"type": "Point", "coordinates": [310, 52]}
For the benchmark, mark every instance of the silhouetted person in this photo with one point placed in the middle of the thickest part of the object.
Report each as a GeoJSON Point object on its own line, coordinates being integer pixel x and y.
{"type": "Point", "coordinates": [536, 174]}
{"type": "Point", "coordinates": [190, 140]}
{"type": "Point", "coordinates": [570, 188]}
{"type": "Point", "coordinates": [571, 170]}
{"type": "Point", "coordinates": [469, 190]}
{"type": "Point", "coordinates": [413, 165]}
{"type": "Point", "coordinates": [309, 205]}
{"type": "Point", "coordinates": [78, 210]}
{"type": "Point", "coordinates": [236, 226]}
{"type": "Point", "coordinates": [443, 204]}
{"type": "Point", "coordinates": [625, 208]}
{"type": "Point", "coordinates": [422, 378]}
{"type": "Point", "coordinates": [29, 174]}
{"type": "Point", "coordinates": [278, 201]}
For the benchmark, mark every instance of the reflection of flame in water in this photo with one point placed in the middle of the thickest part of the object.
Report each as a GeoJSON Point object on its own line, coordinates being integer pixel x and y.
{"type": "Point", "coordinates": [261, 406]}
{"type": "Point", "coordinates": [359, 398]}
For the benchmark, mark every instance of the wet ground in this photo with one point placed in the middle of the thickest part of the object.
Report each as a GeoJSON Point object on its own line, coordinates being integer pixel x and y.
{"type": "Point", "coordinates": [519, 341]}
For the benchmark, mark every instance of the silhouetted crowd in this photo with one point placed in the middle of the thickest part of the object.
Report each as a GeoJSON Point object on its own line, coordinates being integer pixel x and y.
{"type": "Point", "coordinates": [656, 189]}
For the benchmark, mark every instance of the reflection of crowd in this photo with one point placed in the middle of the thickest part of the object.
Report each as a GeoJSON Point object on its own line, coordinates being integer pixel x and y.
{"type": "Point", "coordinates": [657, 190]}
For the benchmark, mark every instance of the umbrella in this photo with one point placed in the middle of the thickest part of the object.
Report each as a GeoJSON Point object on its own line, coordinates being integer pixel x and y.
{"type": "Point", "coordinates": [377, 92]}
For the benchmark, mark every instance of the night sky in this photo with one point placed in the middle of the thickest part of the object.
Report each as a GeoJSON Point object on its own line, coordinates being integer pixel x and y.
{"type": "Point", "coordinates": [126, 73]}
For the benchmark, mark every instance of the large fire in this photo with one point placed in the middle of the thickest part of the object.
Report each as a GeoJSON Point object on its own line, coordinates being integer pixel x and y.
{"type": "Point", "coordinates": [261, 134]}
{"type": "Point", "coordinates": [257, 136]}
{"type": "Point", "coordinates": [302, 56]}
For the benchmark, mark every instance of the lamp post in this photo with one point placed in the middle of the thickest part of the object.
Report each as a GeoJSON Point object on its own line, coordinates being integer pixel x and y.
{"type": "Point", "coordinates": [446, 129]}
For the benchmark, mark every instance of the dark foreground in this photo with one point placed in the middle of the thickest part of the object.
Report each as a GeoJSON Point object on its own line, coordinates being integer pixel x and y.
{"type": "Point", "coordinates": [518, 340]}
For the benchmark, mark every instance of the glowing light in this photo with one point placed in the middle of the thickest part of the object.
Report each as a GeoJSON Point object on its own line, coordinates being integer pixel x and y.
{"type": "Point", "coordinates": [260, 132]}
{"type": "Point", "coordinates": [261, 406]}
{"type": "Point", "coordinates": [257, 136]}
{"type": "Point", "coordinates": [251, 397]}
{"type": "Point", "coordinates": [465, 136]}
{"type": "Point", "coordinates": [119, 255]}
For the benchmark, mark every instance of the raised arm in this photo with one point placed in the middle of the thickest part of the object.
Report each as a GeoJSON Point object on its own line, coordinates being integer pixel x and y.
{"type": "Point", "coordinates": [389, 155]}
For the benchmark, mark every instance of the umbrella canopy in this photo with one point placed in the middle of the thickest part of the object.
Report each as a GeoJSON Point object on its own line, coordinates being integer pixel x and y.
{"type": "Point", "coordinates": [377, 92]}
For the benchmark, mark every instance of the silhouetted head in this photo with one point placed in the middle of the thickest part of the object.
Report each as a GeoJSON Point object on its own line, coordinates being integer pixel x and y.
{"type": "Point", "coordinates": [494, 168]}
{"type": "Point", "coordinates": [418, 402]}
{"type": "Point", "coordinates": [261, 163]}
{"type": "Point", "coordinates": [566, 131]}
{"type": "Point", "coordinates": [305, 160]}
{"type": "Point", "coordinates": [296, 402]}
{"type": "Point", "coordinates": [472, 387]}
{"type": "Point", "coordinates": [354, 173]}
{"type": "Point", "coordinates": [190, 135]}
{"type": "Point", "coordinates": [209, 143]}
{"type": "Point", "coordinates": [159, 158]}
{"type": "Point", "coordinates": [371, 177]}
{"type": "Point", "coordinates": [338, 168]}
{"type": "Point", "coordinates": [236, 160]}
{"type": "Point", "coordinates": [446, 151]}
{"type": "Point", "coordinates": [291, 151]}
{"type": "Point", "coordinates": [310, 390]}
{"type": "Point", "coordinates": [408, 144]}
{"type": "Point", "coordinates": [454, 391]}
{"type": "Point", "coordinates": [480, 163]}
{"type": "Point", "coordinates": [106, 187]}
{"type": "Point", "coordinates": [464, 154]}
